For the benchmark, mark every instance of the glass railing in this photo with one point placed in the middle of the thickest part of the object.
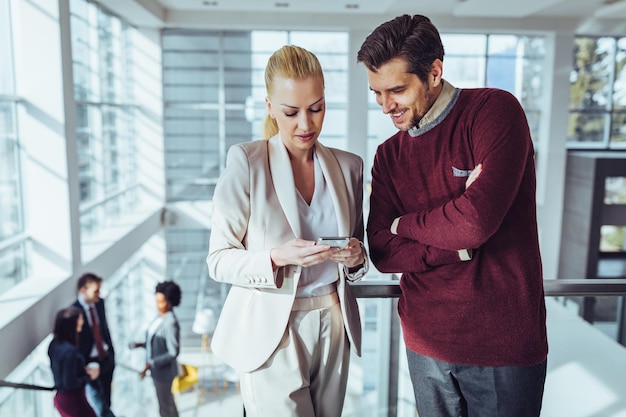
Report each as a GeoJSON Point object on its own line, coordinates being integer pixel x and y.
{"type": "Point", "coordinates": [582, 379]}
{"type": "Point", "coordinates": [586, 364]}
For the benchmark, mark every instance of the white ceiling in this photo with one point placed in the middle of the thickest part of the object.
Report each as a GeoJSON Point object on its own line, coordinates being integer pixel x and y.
{"type": "Point", "coordinates": [565, 15]}
{"type": "Point", "coordinates": [480, 8]}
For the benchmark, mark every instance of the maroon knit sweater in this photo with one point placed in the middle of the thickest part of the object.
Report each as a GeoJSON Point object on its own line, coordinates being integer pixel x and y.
{"type": "Point", "coordinates": [490, 310]}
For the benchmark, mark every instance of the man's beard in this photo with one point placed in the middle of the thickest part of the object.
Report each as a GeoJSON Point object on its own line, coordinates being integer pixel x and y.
{"type": "Point", "coordinates": [414, 123]}
{"type": "Point", "coordinates": [417, 118]}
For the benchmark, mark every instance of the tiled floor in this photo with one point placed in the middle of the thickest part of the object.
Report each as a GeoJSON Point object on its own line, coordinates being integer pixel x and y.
{"type": "Point", "coordinates": [206, 402]}
{"type": "Point", "coordinates": [202, 402]}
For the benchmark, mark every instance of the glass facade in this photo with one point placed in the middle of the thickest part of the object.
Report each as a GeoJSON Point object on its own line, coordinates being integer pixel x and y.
{"type": "Point", "coordinates": [613, 236]}
{"type": "Point", "coordinates": [13, 262]}
{"type": "Point", "coordinates": [206, 80]}
{"type": "Point", "coordinates": [597, 109]}
{"type": "Point", "coordinates": [11, 222]}
{"type": "Point", "coordinates": [6, 49]}
{"type": "Point", "coordinates": [209, 86]}
{"type": "Point", "coordinates": [511, 62]}
{"type": "Point", "coordinates": [115, 131]}
{"type": "Point", "coordinates": [102, 47]}
{"type": "Point", "coordinates": [214, 96]}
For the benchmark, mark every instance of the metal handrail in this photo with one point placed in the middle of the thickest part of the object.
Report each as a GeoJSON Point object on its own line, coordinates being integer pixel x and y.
{"type": "Point", "coordinates": [7, 384]}
{"type": "Point", "coordinates": [551, 287]}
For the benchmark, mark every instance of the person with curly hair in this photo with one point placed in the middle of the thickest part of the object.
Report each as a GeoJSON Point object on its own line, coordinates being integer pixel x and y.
{"type": "Point", "coordinates": [163, 346]}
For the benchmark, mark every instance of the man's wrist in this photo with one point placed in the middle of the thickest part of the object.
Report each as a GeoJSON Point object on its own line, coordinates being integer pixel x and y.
{"type": "Point", "coordinates": [394, 226]}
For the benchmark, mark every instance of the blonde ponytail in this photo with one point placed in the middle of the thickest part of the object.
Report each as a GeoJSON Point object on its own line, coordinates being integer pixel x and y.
{"type": "Point", "coordinates": [270, 127]}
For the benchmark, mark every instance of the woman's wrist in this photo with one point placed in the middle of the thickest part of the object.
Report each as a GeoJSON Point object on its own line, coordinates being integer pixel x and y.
{"type": "Point", "coordinates": [358, 271]}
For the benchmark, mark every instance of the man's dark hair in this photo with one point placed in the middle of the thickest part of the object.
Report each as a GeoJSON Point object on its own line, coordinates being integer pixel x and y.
{"type": "Point", "coordinates": [65, 325]}
{"type": "Point", "coordinates": [86, 278]}
{"type": "Point", "coordinates": [413, 38]}
{"type": "Point", "coordinates": [171, 291]}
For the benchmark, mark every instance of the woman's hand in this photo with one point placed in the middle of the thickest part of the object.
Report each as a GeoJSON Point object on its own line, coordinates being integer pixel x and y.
{"type": "Point", "coordinates": [350, 256]}
{"type": "Point", "coordinates": [143, 373]}
{"type": "Point", "coordinates": [92, 372]}
{"type": "Point", "coordinates": [300, 252]}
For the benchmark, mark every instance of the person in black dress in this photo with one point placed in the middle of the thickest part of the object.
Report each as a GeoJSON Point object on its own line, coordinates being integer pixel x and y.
{"type": "Point", "coordinates": [68, 367]}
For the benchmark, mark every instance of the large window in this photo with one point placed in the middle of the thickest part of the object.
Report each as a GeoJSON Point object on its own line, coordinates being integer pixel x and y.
{"type": "Point", "coordinates": [10, 201]}
{"type": "Point", "coordinates": [613, 236]}
{"type": "Point", "coordinates": [214, 97]}
{"type": "Point", "coordinates": [511, 62]}
{"type": "Point", "coordinates": [331, 48]}
{"type": "Point", "coordinates": [12, 241]}
{"type": "Point", "coordinates": [598, 94]}
{"type": "Point", "coordinates": [206, 80]}
{"type": "Point", "coordinates": [6, 55]}
{"type": "Point", "coordinates": [105, 116]}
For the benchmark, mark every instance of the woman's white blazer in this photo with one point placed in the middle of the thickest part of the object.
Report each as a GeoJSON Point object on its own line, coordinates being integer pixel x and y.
{"type": "Point", "coordinates": [255, 210]}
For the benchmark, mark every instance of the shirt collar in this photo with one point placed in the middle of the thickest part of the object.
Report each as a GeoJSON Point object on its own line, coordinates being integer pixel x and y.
{"type": "Point", "coordinates": [441, 103]}
{"type": "Point", "coordinates": [82, 302]}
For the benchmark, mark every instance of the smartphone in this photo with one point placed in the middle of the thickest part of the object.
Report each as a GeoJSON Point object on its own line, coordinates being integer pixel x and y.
{"type": "Point", "coordinates": [334, 241]}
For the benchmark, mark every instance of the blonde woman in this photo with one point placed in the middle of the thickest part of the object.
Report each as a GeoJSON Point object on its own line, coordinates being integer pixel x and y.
{"type": "Point", "coordinates": [290, 318]}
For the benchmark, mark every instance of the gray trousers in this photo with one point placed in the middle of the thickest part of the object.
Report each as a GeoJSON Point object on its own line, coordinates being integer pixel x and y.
{"type": "Point", "coordinates": [167, 404]}
{"type": "Point", "coordinates": [443, 389]}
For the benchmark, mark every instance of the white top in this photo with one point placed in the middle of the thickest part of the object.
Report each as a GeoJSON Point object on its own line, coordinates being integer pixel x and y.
{"type": "Point", "coordinates": [316, 220]}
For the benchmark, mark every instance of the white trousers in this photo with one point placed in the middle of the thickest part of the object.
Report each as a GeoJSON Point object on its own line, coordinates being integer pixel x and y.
{"type": "Point", "coordinates": [307, 374]}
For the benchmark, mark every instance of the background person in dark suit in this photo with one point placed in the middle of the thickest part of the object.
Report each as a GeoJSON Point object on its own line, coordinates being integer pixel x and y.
{"type": "Point", "coordinates": [98, 390]}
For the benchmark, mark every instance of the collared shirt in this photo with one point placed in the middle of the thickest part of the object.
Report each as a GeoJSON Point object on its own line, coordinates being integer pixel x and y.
{"type": "Point", "coordinates": [87, 317]}
{"type": "Point", "coordinates": [447, 94]}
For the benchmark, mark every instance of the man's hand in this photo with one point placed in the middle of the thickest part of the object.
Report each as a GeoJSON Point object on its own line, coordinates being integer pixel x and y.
{"type": "Point", "coordinates": [474, 174]}
{"type": "Point", "coordinates": [394, 226]}
{"type": "Point", "coordinates": [470, 180]}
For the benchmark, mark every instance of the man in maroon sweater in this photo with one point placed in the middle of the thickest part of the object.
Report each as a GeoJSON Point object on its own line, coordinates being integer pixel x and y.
{"type": "Point", "coordinates": [453, 209]}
